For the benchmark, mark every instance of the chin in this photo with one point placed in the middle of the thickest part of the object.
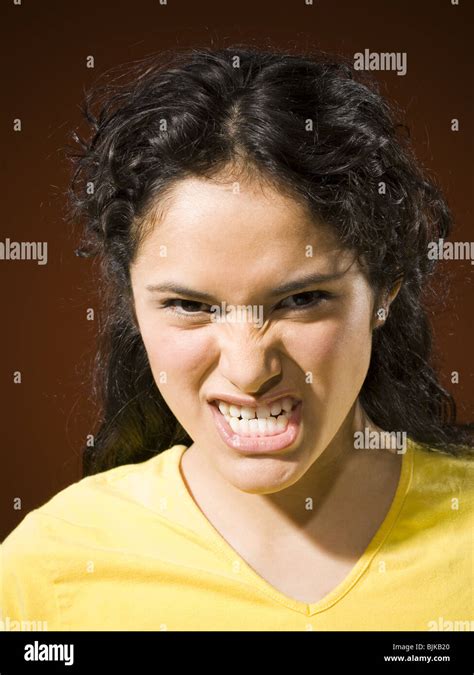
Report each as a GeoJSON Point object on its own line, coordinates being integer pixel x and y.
{"type": "Point", "coordinates": [263, 474]}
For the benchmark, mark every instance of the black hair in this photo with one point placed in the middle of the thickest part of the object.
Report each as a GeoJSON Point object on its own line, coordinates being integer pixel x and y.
{"type": "Point", "coordinates": [306, 122]}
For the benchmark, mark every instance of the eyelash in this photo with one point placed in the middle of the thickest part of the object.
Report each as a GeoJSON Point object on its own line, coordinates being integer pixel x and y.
{"type": "Point", "coordinates": [322, 296]}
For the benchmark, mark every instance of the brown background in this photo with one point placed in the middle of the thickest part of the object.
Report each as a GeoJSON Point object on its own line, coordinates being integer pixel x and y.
{"type": "Point", "coordinates": [45, 43]}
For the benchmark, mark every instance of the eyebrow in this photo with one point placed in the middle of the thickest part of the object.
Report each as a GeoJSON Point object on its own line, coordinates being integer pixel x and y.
{"type": "Point", "coordinates": [288, 287]}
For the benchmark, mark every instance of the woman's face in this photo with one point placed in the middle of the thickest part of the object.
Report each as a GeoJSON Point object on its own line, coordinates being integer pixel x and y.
{"type": "Point", "coordinates": [238, 245]}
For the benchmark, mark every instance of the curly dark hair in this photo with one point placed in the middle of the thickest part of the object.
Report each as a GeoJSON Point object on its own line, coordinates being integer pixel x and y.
{"type": "Point", "coordinates": [309, 124]}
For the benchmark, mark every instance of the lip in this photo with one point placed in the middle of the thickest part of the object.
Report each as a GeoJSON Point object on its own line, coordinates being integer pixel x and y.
{"type": "Point", "coordinates": [250, 445]}
{"type": "Point", "coordinates": [251, 402]}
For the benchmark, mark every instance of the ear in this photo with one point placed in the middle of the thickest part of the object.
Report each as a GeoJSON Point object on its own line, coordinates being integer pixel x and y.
{"type": "Point", "coordinates": [394, 292]}
{"type": "Point", "coordinates": [384, 301]}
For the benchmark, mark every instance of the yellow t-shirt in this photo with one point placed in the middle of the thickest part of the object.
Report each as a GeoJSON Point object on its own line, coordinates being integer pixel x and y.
{"type": "Point", "coordinates": [129, 549]}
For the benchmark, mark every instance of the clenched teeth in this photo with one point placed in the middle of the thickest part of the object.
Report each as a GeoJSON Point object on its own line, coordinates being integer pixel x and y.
{"type": "Point", "coordinates": [264, 412]}
{"type": "Point", "coordinates": [261, 421]}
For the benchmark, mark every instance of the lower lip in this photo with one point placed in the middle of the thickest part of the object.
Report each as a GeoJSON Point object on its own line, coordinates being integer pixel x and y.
{"type": "Point", "coordinates": [259, 444]}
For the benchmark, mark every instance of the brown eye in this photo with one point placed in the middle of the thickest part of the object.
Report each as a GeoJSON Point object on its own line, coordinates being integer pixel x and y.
{"type": "Point", "coordinates": [185, 307]}
{"type": "Point", "coordinates": [307, 299]}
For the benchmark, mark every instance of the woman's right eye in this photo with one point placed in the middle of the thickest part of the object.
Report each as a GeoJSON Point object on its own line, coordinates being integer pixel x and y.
{"type": "Point", "coordinates": [188, 307]}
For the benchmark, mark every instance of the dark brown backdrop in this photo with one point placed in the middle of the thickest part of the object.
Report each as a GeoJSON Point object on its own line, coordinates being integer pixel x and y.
{"type": "Point", "coordinates": [45, 43]}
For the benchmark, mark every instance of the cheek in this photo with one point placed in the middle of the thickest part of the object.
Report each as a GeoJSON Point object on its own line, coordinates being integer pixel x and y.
{"type": "Point", "coordinates": [181, 354]}
{"type": "Point", "coordinates": [178, 363]}
{"type": "Point", "coordinates": [336, 352]}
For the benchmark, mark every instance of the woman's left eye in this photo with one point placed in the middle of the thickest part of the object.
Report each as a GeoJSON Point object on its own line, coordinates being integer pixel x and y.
{"type": "Point", "coordinates": [309, 299]}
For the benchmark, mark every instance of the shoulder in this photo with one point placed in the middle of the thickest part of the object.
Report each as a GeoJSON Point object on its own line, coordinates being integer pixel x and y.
{"type": "Point", "coordinates": [442, 486]}
{"type": "Point", "coordinates": [93, 518]}
{"type": "Point", "coordinates": [444, 471]}
{"type": "Point", "coordinates": [94, 501]}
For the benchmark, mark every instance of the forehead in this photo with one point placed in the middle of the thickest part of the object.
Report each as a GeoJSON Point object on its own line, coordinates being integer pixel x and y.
{"type": "Point", "coordinates": [234, 219]}
{"type": "Point", "coordinates": [227, 241]}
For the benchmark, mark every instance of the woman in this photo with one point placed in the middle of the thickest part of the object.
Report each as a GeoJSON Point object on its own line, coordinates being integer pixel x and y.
{"type": "Point", "coordinates": [275, 450]}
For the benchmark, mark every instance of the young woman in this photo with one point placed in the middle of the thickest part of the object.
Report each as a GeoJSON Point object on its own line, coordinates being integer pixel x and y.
{"type": "Point", "coordinates": [275, 450]}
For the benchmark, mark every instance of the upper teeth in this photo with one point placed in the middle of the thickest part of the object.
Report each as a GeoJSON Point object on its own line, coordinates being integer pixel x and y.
{"type": "Point", "coordinates": [248, 413]}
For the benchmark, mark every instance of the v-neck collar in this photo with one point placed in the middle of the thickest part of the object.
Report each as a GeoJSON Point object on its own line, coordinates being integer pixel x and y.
{"type": "Point", "coordinates": [197, 521]}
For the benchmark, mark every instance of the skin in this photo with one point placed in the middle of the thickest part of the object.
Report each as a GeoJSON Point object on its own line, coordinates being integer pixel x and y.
{"type": "Point", "coordinates": [238, 246]}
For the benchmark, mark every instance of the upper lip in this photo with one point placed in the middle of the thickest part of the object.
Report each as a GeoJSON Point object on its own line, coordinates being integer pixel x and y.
{"type": "Point", "coordinates": [251, 402]}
